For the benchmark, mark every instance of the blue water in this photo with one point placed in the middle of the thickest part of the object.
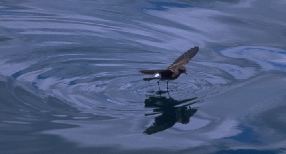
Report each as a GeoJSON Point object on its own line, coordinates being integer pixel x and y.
{"type": "Point", "coordinates": [70, 81]}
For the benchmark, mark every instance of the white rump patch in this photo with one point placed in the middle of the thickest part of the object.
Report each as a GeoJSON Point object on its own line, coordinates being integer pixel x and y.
{"type": "Point", "coordinates": [157, 75]}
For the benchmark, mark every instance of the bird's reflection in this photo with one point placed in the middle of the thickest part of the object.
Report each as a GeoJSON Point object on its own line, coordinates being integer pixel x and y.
{"type": "Point", "coordinates": [168, 112]}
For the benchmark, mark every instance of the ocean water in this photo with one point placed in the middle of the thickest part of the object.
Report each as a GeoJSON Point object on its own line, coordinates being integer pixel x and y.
{"type": "Point", "coordinates": [70, 81]}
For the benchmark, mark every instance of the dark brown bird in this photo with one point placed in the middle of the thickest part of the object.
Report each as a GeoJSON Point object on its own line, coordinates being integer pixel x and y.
{"type": "Point", "coordinates": [174, 70]}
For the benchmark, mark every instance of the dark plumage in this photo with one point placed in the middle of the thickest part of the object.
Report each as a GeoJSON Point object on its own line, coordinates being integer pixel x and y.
{"type": "Point", "coordinates": [175, 69]}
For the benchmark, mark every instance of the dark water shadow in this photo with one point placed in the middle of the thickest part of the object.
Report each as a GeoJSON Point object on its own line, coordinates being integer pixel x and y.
{"type": "Point", "coordinates": [168, 112]}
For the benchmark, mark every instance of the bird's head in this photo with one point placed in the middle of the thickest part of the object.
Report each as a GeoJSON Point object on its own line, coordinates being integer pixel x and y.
{"type": "Point", "coordinates": [183, 70]}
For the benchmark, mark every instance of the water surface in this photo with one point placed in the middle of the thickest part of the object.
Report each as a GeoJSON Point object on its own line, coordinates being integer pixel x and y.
{"type": "Point", "coordinates": [69, 80]}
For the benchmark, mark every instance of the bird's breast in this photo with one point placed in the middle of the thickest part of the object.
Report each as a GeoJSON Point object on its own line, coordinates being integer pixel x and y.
{"type": "Point", "coordinates": [166, 75]}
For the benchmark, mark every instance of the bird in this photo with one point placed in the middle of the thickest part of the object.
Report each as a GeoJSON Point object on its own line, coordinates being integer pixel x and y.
{"type": "Point", "coordinates": [173, 71]}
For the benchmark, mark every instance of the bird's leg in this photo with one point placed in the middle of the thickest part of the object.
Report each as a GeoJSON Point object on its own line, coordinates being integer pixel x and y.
{"type": "Point", "coordinates": [158, 82]}
{"type": "Point", "coordinates": [167, 85]}
{"type": "Point", "coordinates": [168, 88]}
{"type": "Point", "coordinates": [169, 94]}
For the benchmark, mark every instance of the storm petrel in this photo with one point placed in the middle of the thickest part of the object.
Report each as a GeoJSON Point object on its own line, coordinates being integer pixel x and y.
{"type": "Point", "coordinates": [174, 70]}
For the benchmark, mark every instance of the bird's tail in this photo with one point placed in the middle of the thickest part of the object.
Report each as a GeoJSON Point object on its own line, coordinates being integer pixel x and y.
{"type": "Point", "coordinates": [150, 72]}
{"type": "Point", "coordinates": [149, 79]}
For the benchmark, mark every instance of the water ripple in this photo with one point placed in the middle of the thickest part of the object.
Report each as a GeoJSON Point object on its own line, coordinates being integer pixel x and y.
{"type": "Point", "coordinates": [63, 62]}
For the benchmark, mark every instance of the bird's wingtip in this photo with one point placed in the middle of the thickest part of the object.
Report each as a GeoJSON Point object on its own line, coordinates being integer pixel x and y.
{"type": "Point", "coordinates": [196, 47]}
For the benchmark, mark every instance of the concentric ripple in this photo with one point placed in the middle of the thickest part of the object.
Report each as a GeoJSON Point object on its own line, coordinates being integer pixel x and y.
{"type": "Point", "coordinates": [76, 60]}
{"type": "Point", "coordinates": [92, 62]}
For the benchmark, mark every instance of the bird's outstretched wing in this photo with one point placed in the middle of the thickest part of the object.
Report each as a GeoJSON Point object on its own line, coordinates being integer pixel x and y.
{"type": "Point", "coordinates": [184, 58]}
{"type": "Point", "coordinates": [151, 71]}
